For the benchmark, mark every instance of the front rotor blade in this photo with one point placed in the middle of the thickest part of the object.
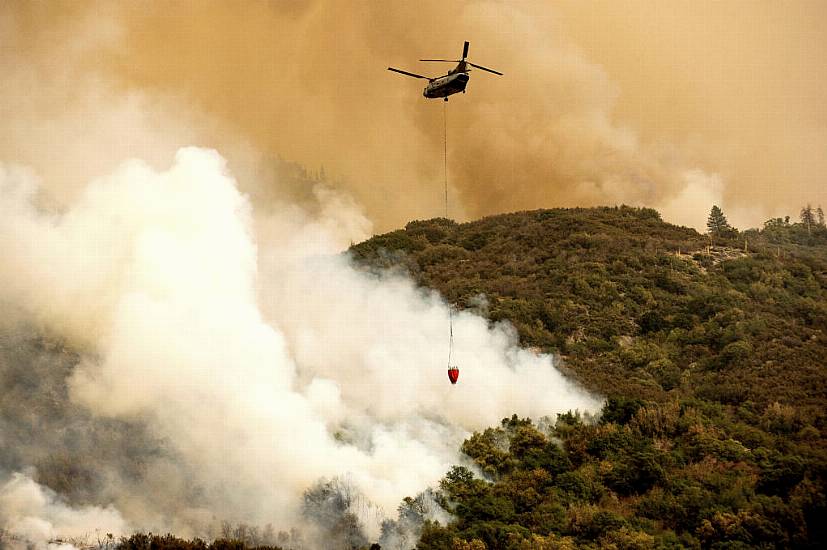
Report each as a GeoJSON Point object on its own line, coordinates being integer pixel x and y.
{"type": "Point", "coordinates": [408, 74]}
{"type": "Point", "coordinates": [465, 50]}
{"type": "Point", "coordinates": [484, 68]}
{"type": "Point", "coordinates": [445, 60]}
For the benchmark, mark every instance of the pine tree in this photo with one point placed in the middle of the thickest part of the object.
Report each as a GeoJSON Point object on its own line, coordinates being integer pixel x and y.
{"type": "Point", "coordinates": [717, 223]}
{"type": "Point", "coordinates": [808, 217]}
{"type": "Point", "coordinates": [820, 214]}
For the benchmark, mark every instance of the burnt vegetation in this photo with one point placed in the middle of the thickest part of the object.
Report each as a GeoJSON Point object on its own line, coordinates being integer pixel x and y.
{"type": "Point", "coordinates": [710, 350]}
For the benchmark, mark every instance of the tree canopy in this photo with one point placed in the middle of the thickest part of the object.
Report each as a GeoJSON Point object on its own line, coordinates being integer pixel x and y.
{"type": "Point", "coordinates": [717, 224]}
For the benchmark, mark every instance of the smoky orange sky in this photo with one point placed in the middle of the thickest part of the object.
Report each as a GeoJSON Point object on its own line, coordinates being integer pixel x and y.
{"type": "Point", "coordinates": [673, 105]}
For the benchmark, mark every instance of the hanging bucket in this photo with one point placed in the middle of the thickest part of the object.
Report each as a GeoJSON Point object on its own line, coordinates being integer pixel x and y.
{"type": "Point", "coordinates": [453, 374]}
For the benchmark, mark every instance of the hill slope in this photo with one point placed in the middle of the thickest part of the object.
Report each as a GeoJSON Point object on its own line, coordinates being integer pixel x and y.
{"type": "Point", "coordinates": [714, 365]}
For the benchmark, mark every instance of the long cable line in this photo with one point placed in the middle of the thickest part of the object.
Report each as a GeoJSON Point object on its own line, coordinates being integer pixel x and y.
{"type": "Point", "coordinates": [445, 151]}
{"type": "Point", "coordinates": [445, 173]}
{"type": "Point", "coordinates": [451, 330]}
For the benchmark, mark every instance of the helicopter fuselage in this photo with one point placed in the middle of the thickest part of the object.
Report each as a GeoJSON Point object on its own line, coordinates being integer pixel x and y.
{"type": "Point", "coordinates": [444, 86]}
{"type": "Point", "coordinates": [452, 83]}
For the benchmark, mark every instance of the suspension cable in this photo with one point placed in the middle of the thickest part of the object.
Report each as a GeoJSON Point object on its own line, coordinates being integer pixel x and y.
{"type": "Point", "coordinates": [445, 172]}
{"type": "Point", "coordinates": [451, 332]}
{"type": "Point", "coordinates": [445, 151]}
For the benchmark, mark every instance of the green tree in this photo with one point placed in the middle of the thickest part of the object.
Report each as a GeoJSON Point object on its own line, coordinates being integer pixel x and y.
{"type": "Point", "coordinates": [808, 217]}
{"type": "Point", "coordinates": [717, 223]}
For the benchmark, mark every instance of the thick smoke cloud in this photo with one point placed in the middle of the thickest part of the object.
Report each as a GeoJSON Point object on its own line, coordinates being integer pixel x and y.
{"type": "Point", "coordinates": [602, 102]}
{"type": "Point", "coordinates": [255, 352]}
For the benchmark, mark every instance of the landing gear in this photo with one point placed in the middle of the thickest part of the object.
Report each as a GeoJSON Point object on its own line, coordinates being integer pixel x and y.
{"type": "Point", "coordinates": [446, 98]}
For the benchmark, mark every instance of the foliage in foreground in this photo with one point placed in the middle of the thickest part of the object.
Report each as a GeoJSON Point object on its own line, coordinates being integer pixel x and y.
{"type": "Point", "coordinates": [648, 475]}
{"type": "Point", "coordinates": [143, 541]}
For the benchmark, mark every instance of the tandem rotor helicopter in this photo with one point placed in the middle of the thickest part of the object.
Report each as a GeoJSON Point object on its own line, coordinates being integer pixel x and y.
{"type": "Point", "coordinates": [443, 86]}
{"type": "Point", "coordinates": [452, 83]}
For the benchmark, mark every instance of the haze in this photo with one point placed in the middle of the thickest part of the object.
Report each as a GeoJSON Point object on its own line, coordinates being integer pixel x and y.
{"type": "Point", "coordinates": [672, 105]}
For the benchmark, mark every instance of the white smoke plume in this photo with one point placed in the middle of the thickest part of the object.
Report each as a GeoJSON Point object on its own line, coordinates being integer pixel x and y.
{"type": "Point", "coordinates": [251, 347]}
{"type": "Point", "coordinates": [212, 311]}
{"type": "Point", "coordinates": [35, 514]}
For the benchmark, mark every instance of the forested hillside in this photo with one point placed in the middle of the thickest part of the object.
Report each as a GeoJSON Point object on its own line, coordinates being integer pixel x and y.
{"type": "Point", "coordinates": [711, 353]}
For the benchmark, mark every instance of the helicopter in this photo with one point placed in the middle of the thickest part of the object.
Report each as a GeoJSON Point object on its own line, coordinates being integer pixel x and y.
{"type": "Point", "coordinates": [452, 83]}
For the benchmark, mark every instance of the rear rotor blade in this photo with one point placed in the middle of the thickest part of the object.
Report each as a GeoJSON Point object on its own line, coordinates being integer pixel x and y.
{"type": "Point", "coordinates": [484, 68]}
{"type": "Point", "coordinates": [408, 74]}
{"type": "Point", "coordinates": [465, 50]}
